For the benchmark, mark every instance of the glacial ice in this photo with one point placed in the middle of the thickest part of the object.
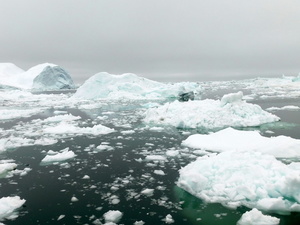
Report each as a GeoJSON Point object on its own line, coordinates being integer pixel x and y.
{"type": "Point", "coordinates": [42, 77]}
{"type": "Point", "coordinates": [230, 139]}
{"type": "Point", "coordinates": [251, 179]}
{"type": "Point", "coordinates": [6, 166]}
{"type": "Point", "coordinates": [8, 205]}
{"type": "Point", "coordinates": [113, 216]}
{"type": "Point", "coordinates": [53, 78]}
{"type": "Point", "coordinates": [129, 86]}
{"type": "Point", "coordinates": [255, 217]}
{"type": "Point", "coordinates": [210, 114]}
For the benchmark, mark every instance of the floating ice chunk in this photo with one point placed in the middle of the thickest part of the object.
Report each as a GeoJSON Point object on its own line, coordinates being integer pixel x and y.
{"type": "Point", "coordinates": [231, 139]}
{"type": "Point", "coordinates": [155, 158]}
{"type": "Point", "coordinates": [168, 219]}
{"type": "Point", "coordinates": [104, 147]}
{"type": "Point", "coordinates": [127, 132]}
{"type": "Point", "coordinates": [147, 192]}
{"type": "Point", "coordinates": [6, 166]}
{"type": "Point", "coordinates": [61, 217]}
{"type": "Point", "coordinates": [74, 199]}
{"type": "Point", "coordinates": [209, 114]}
{"type": "Point", "coordinates": [141, 222]}
{"type": "Point", "coordinates": [113, 216]}
{"type": "Point", "coordinates": [9, 114]}
{"type": "Point", "coordinates": [66, 128]}
{"type": "Point", "coordinates": [8, 205]}
{"type": "Point", "coordinates": [251, 179]}
{"type": "Point", "coordinates": [62, 156]}
{"type": "Point", "coordinates": [255, 217]}
{"type": "Point", "coordinates": [159, 172]}
{"type": "Point", "coordinates": [86, 177]}
{"type": "Point", "coordinates": [172, 153]}
{"type": "Point", "coordinates": [59, 118]}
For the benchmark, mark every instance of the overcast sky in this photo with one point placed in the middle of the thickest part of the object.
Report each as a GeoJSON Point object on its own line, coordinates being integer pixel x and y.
{"type": "Point", "coordinates": [165, 40]}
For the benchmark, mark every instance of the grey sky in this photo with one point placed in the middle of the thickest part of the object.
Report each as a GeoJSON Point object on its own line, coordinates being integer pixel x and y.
{"type": "Point", "coordinates": [165, 40]}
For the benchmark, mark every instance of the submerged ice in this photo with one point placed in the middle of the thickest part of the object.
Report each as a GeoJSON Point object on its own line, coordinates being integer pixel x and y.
{"type": "Point", "coordinates": [251, 179]}
{"type": "Point", "coordinates": [210, 114]}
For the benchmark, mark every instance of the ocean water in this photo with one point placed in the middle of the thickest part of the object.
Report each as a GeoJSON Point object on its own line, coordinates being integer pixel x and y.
{"type": "Point", "coordinates": [117, 177]}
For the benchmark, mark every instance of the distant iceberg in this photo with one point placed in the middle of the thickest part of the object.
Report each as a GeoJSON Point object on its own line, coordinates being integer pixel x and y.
{"type": "Point", "coordinates": [129, 86]}
{"type": "Point", "coordinates": [230, 139]}
{"type": "Point", "coordinates": [41, 77]}
{"type": "Point", "coordinates": [210, 114]}
{"type": "Point", "coordinates": [250, 179]}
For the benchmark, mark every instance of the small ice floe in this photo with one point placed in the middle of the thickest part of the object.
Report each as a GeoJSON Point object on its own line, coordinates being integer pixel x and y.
{"type": "Point", "coordinates": [103, 147]}
{"type": "Point", "coordinates": [86, 177]}
{"type": "Point", "coordinates": [59, 156]}
{"type": "Point", "coordinates": [141, 222]}
{"type": "Point", "coordinates": [74, 199]}
{"type": "Point", "coordinates": [61, 217]}
{"type": "Point", "coordinates": [148, 192]}
{"type": "Point", "coordinates": [231, 139]}
{"type": "Point", "coordinates": [126, 132]}
{"type": "Point", "coordinates": [231, 110]}
{"type": "Point", "coordinates": [6, 166]}
{"type": "Point", "coordinates": [255, 217]}
{"type": "Point", "coordinates": [159, 172]}
{"type": "Point", "coordinates": [172, 153]}
{"type": "Point", "coordinates": [112, 216]}
{"type": "Point", "coordinates": [8, 207]}
{"type": "Point", "coordinates": [155, 158]}
{"type": "Point", "coordinates": [251, 179]}
{"type": "Point", "coordinates": [168, 219]}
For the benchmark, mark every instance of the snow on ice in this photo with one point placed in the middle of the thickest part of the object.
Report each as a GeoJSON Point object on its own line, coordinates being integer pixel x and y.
{"type": "Point", "coordinates": [251, 179]}
{"type": "Point", "coordinates": [255, 217]}
{"type": "Point", "coordinates": [129, 86]}
{"type": "Point", "coordinates": [210, 114]}
{"type": "Point", "coordinates": [231, 139]}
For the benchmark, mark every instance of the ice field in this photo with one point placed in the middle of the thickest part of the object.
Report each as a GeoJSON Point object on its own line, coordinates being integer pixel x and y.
{"type": "Point", "coordinates": [122, 149]}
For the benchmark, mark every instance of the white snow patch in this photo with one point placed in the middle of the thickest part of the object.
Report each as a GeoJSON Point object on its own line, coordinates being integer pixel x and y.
{"type": "Point", "coordinates": [231, 139]}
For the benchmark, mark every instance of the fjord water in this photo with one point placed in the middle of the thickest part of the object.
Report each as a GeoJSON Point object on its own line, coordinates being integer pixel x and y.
{"type": "Point", "coordinates": [116, 178]}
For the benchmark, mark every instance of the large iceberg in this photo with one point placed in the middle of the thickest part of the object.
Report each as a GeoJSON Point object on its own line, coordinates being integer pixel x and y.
{"type": "Point", "coordinates": [231, 110]}
{"type": "Point", "coordinates": [230, 139]}
{"type": "Point", "coordinates": [53, 78]}
{"type": "Point", "coordinates": [129, 86]}
{"type": "Point", "coordinates": [42, 77]}
{"type": "Point", "coordinates": [8, 205]}
{"type": "Point", "coordinates": [251, 179]}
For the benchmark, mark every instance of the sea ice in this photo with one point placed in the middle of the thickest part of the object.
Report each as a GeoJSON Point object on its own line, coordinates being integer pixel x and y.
{"type": "Point", "coordinates": [129, 86]}
{"type": "Point", "coordinates": [6, 166]}
{"type": "Point", "coordinates": [62, 156]}
{"type": "Point", "coordinates": [252, 179]}
{"type": "Point", "coordinates": [231, 139]}
{"type": "Point", "coordinates": [210, 114]}
{"type": "Point", "coordinates": [8, 205]}
{"type": "Point", "coordinates": [113, 216]}
{"type": "Point", "coordinates": [255, 217]}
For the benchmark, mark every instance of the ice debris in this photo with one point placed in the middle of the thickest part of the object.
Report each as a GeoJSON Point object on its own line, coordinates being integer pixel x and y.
{"type": "Point", "coordinates": [210, 114]}
{"type": "Point", "coordinates": [251, 179]}
{"type": "Point", "coordinates": [113, 216]}
{"type": "Point", "coordinates": [58, 157]}
{"type": "Point", "coordinates": [255, 217]}
{"type": "Point", "coordinates": [230, 139]}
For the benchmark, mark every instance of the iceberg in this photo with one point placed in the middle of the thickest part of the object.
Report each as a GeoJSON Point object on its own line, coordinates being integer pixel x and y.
{"type": "Point", "coordinates": [59, 156]}
{"type": "Point", "coordinates": [8, 205]}
{"type": "Point", "coordinates": [250, 179]}
{"type": "Point", "coordinates": [42, 77]}
{"type": "Point", "coordinates": [230, 139]}
{"type": "Point", "coordinates": [53, 78]}
{"type": "Point", "coordinates": [129, 86]}
{"type": "Point", "coordinates": [210, 114]}
{"type": "Point", "coordinates": [113, 216]}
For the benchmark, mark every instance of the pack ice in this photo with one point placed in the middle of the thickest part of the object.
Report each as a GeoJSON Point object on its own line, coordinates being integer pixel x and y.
{"type": "Point", "coordinates": [231, 139]}
{"type": "Point", "coordinates": [251, 179]}
{"type": "Point", "coordinates": [42, 77]}
{"type": "Point", "coordinates": [231, 110]}
{"type": "Point", "coordinates": [129, 86]}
